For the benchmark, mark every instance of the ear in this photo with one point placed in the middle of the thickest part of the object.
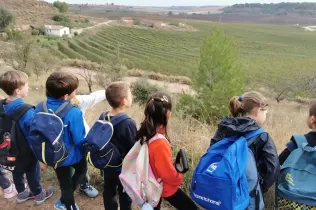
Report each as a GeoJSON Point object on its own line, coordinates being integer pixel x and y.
{"type": "Point", "coordinates": [124, 102]}
{"type": "Point", "coordinates": [169, 115]}
{"type": "Point", "coordinates": [313, 119]}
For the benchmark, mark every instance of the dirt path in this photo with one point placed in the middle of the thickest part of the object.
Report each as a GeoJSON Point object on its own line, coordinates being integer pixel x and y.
{"type": "Point", "coordinates": [80, 30]}
{"type": "Point", "coordinates": [167, 86]}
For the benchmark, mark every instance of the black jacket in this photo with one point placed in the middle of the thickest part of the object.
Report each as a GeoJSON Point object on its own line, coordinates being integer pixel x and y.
{"type": "Point", "coordinates": [263, 147]}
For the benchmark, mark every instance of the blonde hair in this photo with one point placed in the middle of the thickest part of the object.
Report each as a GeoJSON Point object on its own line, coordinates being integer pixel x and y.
{"type": "Point", "coordinates": [242, 105]}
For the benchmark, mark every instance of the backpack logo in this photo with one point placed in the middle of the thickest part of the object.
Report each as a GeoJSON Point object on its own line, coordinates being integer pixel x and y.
{"type": "Point", "coordinates": [289, 179]}
{"type": "Point", "coordinates": [217, 203]}
{"type": "Point", "coordinates": [6, 141]}
{"type": "Point", "coordinates": [212, 167]}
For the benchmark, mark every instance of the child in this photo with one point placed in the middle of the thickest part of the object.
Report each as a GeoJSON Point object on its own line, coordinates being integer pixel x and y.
{"type": "Point", "coordinates": [157, 114]}
{"type": "Point", "coordinates": [249, 113]}
{"type": "Point", "coordinates": [85, 102]}
{"type": "Point", "coordinates": [119, 97]}
{"type": "Point", "coordinates": [60, 88]}
{"type": "Point", "coordinates": [15, 85]}
{"type": "Point", "coordinates": [9, 190]}
{"type": "Point", "coordinates": [310, 137]}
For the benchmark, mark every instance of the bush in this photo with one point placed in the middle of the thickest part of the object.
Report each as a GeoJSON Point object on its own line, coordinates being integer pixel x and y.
{"type": "Point", "coordinates": [61, 18]}
{"type": "Point", "coordinates": [142, 89]}
{"type": "Point", "coordinates": [61, 6]}
{"type": "Point", "coordinates": [35, 32]}
{"type": "Point", "coordinates": [218, 78]}
{"type": "Point", "coordinates": [14, 34]}
{"type": "Point", "coordinates": [76, 33]}
{"type": "Point", "coordinates": [6, 18]}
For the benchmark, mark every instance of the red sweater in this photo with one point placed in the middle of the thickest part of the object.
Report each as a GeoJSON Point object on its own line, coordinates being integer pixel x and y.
{"type": "Point", "coordinates": [160, 159]}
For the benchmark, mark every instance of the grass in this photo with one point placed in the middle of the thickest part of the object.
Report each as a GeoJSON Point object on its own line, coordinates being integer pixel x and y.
{"type": "Point", "coordinates": [284, 120]}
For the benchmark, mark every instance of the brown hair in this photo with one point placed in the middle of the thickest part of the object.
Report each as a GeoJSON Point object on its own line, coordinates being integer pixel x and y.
{"type": "Point", "coordinates": [242, 105]}
{"type": "Point", "coordinates": [312, 108]}
{"type": "Point", "coordinates": [116, 92]}
{"type": "Point", "coordinates": [155, 112]}
{"type": "Point", "coordinates": [12, 80]}
{"type": "Point", "coordinates": [61, 83]}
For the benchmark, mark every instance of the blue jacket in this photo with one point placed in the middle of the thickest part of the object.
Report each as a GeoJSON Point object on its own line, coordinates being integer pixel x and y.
{"type": "Point", "coordinates": [74, 132]}
{"type": "Point", "coordinates": [26, 119]}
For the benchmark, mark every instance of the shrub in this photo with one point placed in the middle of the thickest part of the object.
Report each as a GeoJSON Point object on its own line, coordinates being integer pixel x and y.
{"type": "Point", "coordinates": [142, 89]}
{"type": "Point", "coordinates": [61, 6]}
{"type": "Point", "coordinates": [218, 78]}
{"type": "Point", "coordinates": [14, 34]}
{"type": "Point", "coordinates": [35, 32]}
{"type": "Point", "coordinates": [61, 18]}
{"type": "Point", "coordinates": [76, 33]}
{"type": "Point", "coordinates": [6, 18]}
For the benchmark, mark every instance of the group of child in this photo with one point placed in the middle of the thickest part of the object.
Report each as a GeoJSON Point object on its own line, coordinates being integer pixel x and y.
{"type": "Point", "coordinates": [248, 114]}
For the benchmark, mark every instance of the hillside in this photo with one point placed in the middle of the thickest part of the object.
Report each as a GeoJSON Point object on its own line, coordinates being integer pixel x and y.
{"type": "Point", "coordinates": [30, 11]}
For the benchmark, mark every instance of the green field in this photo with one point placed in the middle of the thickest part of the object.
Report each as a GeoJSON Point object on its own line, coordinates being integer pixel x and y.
{"type": "Point", "coordinates": [265, 50]}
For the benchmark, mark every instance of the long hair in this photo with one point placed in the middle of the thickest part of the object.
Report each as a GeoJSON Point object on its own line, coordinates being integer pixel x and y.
{"type": "Point", "coordinates": [156, 112]}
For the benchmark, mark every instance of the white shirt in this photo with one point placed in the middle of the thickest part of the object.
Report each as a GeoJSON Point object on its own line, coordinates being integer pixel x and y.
{"type": "Point", "coordinates": [85, 102]}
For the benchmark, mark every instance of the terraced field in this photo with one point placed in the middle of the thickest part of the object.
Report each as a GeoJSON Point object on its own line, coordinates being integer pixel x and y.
{"type": "Point", "coordinates": [265, 50]}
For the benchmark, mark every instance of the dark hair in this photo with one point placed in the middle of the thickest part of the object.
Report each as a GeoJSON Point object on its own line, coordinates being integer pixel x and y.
{"type": "Point", "coordinates": [312, 108]}
{"type": "Point", "coordinates": [156, 111]}
{"type": "Point", "coordinates": [116, 92]}
{"type": "Point", "coordinates": [12, 80]}
{"type": "Point", "coordinates": [242, 105]}
{"type": "Point", "coordinates": [61, 83]}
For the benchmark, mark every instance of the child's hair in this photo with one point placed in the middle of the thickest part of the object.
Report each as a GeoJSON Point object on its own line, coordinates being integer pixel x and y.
{"type": "Point", "coordinates": [242, 105]}
{"type": "Point", "coordinates": [12, 80]}
{"type": "Point", "coordinates": [116, 92]}
{"type": "Point", "coordinates": [312, 108]}
{"type": "Point", "coordinates": [155, 112]}
{"type": "Point", "coordinates": [60, 83]}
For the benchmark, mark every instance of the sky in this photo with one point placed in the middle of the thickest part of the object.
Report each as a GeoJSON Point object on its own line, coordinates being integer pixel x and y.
{"type": "Point", "coordinates": [177, 2]}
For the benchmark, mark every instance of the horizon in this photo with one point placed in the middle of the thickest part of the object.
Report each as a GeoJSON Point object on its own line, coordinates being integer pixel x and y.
{"type": "Point", "coordinates": [170, 3]}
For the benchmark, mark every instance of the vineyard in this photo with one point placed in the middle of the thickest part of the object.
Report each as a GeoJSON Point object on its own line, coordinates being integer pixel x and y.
{"type": "Point", "coordinates": [264, 49]}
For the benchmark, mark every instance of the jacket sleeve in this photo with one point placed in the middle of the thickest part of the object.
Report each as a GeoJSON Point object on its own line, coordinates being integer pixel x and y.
{"type": "Point", "coordinates": [86, 102]}
{"type": "Point", "coordinates": [164, 167]}
{"type": "Point", "coordinates": [77, 129]}
{"type": "Point", "coordinates": [25, 123]}
{"type": "Point", "coordinates": [269, 166]}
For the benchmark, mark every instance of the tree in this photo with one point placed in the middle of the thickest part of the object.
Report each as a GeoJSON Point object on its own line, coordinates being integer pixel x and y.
{"type": "Point", "coordinates": [170, 13]}
{"type": "Point", "coordinates": [109, 73]}
{"type": "Point", "coordinates": [21, 57]}
{"type": "Point", "coordinates": [61, 6]}
{"type": "Point", "coordinates": [218, 78]}
{"type": "Point", "coordinates": [6, 18]}
{"type": "Point", "coordinates": [88, 76]}
{"type": "Point", "coordinates": [43, 61]}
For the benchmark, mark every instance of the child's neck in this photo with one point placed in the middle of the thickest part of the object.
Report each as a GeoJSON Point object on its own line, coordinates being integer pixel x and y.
{"type": "Point", "coordinates": [117, 110]}
{"type": "Point", "coordinates": [12, 98]}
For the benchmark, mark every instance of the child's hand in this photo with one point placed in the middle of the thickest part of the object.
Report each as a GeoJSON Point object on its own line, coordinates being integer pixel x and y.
{"type": "Point", "coordinates": [43, 167]}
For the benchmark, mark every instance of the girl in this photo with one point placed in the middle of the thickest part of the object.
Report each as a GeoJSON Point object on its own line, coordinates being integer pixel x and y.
{"type": "Point", "coordinates": [249, 113]}
{"type": "Point", "coordinates": [157, 114]}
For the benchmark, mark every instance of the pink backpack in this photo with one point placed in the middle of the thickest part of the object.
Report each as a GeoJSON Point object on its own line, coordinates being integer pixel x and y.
{"type": "Point", "coordinates": [137, 177]}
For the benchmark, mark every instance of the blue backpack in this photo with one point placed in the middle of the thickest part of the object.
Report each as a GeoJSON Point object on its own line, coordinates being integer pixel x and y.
{"type": "Point", "coordinates": [46, 134]}
{"type": "Point", "coordinates": [298, 174]}
{"type": "Point", "coordinates": [219, 182]}
{"type": "Point", "coordinates": [101, 152]}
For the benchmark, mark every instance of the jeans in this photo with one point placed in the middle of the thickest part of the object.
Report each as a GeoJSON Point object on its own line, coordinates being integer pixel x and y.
{"type": "Point", "coordinates": [33, 177]}
{"type": "Point", "coordinates": [180, 201]}
{"type": "Point", "coordinates": [4, 180]}
{"type": "Point", "coordinates": [69, 183]}
{"type": "Point", "coordinates": [111, 184]}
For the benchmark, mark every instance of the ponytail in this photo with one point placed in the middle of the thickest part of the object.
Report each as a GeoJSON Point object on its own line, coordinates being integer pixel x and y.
{"type": "Point", "coordinates": [242, 105]}
{"type": "Point", "coordinates": [156, 115]}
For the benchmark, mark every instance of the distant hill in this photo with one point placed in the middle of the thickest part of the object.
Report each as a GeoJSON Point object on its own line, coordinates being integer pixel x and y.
{"type": "Point", "coordinates": [304, 9]}
{"type": "Point", "coordinates": [30, 11]}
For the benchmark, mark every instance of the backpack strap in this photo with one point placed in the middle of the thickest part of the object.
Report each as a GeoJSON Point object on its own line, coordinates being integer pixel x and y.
{"type": "Point", "coordinates": [21, 111]}
{"type": "Point", "coordinates": [117, 119]}
{"type": "Point", "coordinates": [2, 102]}
{"type": "Point", "coordinates": [60, 112]}
{"type": "Point", "coordinates": [299, 140]}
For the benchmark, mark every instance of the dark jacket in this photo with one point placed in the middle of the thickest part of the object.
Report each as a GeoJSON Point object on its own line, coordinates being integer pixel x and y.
{"type": "Point", "coordinates": [263, 147]}
{"type": "Point", "coordinates": [123, 138]}
{"type": "Point", "coordinates": [311, 139]}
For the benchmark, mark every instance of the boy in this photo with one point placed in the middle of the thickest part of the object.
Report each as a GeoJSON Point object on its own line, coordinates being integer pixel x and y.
{"type": "Point", "coordinates": [85, 102]}
{"type": "Point", "coordinates": [15, 85]}
{"type": "Point", "coordinates": [60, 88]}
{"type": "Point", "coordinates": [310, 137]}
{"type": "Point", "coordinates": [119, 97]}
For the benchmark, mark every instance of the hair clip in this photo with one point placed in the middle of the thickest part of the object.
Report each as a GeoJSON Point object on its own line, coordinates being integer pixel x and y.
{"type": "Point", "coordinates": [163, 99]}
{"type": "Point", "coordinates": [240, 98]}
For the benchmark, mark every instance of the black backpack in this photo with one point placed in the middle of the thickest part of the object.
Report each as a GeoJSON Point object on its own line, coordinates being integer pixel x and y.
{"type": "Point", "coordinates": [15, 152]}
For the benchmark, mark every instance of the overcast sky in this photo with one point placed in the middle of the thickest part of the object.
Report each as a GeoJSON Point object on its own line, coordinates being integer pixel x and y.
{"type": "Point", "coordinates": [178, 2]}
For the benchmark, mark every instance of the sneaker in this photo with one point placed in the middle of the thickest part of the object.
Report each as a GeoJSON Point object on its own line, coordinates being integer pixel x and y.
{"type": "Point", "coordinates": [10, 192]}
{"type": "Point", "coordinates": [60, 206]}
{"type": "Point", "coordinates": [24, 196]}
{"type": "Point", "coordinates": [89, 190]}
{"type": "Point", "coordinates": [43, 196]}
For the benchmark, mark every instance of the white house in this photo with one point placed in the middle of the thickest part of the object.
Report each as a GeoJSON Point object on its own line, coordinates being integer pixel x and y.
{"type": "Point", "coordinates": [53, 30]}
